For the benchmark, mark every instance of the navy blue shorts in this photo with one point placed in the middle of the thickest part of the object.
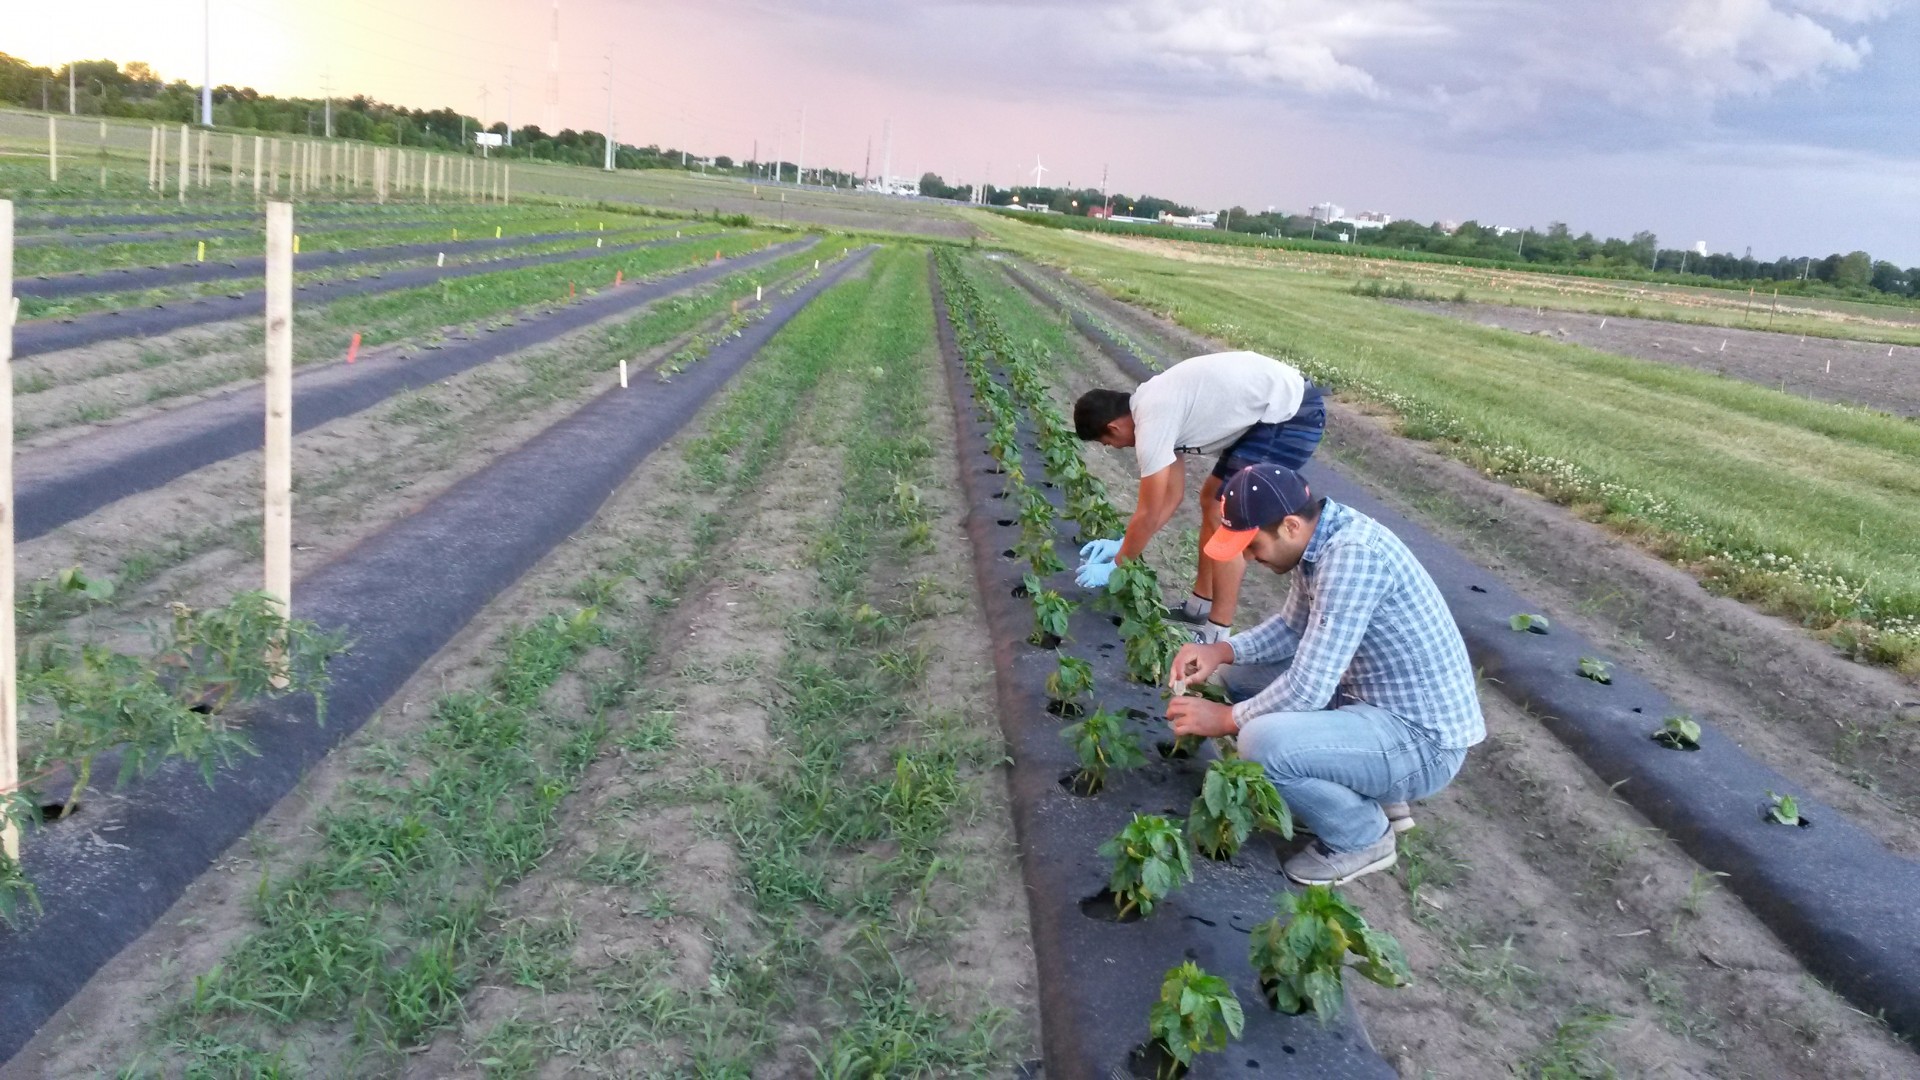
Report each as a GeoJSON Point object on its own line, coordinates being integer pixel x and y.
{"type": "Point", "coordinates": [1289, 443]}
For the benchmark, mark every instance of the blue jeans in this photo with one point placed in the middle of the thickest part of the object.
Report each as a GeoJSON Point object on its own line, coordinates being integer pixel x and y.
{"type": "Point", "coordinates": [1336, 767]}
{"type": "Point", "coordinates": [1289, 443]}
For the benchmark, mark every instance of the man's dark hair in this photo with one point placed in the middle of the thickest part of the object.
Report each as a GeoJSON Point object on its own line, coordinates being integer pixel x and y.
{"type": "Point", "coordinates": [1098, 408]}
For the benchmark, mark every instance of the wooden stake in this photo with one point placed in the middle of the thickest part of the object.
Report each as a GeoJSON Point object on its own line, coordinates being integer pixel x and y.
{"type": "Point", "coordinates": [186, 157]}
{"type": "Point", "coordinates": [277, 525]}
{"type": "Point", "coordinates": [153, 157]}
{"type": "Point", "coordinates": [9, 695]}
{"type": "Point", "coordinates": [623, 374]}
{"type": "Point", "coordinates": [233, 171]}
{"type": "Point", "coordinates": [506, 185]}
{"type": "Point", "coordinates": [103, 155]}
{"type": "Point", "coordinates": [53, 152]}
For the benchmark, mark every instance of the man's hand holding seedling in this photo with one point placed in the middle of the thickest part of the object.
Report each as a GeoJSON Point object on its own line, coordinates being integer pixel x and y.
{"type": "Point", "coordinates": [1196, 715]}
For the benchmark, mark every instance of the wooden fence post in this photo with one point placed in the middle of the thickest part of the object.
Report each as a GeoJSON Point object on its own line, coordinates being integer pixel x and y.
{"type": "Point", "coordinates": [233, 171]}
{"type": "Point", "coordinates": [277, 525]}
{"type": "Point", "coordinates": [506, 185]}
{"type": "Point", "coordinates": [186, 158]}
{"type": "Point", "coordinates": [53, 152]}
{"type": "Point", "coordinates": [9, 699]}
{"type": "Point", "coordinates": [153, 158]}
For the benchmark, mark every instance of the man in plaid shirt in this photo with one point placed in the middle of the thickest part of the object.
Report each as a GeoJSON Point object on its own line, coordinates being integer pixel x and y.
{"type": "Point", "coordinates": [1377, 706]}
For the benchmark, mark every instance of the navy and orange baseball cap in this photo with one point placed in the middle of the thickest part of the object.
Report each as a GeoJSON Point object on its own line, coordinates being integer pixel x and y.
{"type": "Point", "coordinates": [1254, 498]}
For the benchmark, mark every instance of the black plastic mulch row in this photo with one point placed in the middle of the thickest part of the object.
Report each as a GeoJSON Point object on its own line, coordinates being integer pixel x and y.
{"type": "Point", "coordinates": [1832, 892]}
{"type": "Point", "coordinates": [191, 235]}
{"type": "Point", "coordinates": [148, 454]}
{"type": "Point", "coordinates": [402, 593]}
{"type": "Point", "coordinates": [128, 278]}
{"type": "Point", "coordinates": [52, 335]}
{"type": "Point", "coordinates": [1099, 978]}
{"type": "Point", "coordinates": [56, 221]}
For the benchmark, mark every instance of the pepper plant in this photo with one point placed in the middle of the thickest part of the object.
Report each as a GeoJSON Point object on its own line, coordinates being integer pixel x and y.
{"type": "Point", "coordinates": [1235, 798]}
{"type": "Point", "coordinates": [1071, 681]}
{"type": "Point", "coordinates": [1197, 1013]}
{"type": "Point", "coordinates": [1782, 809]}
{"type": "Point", "coordinates": [1301, 953]}
{"type": "Point", "coordinates": [1149, 861]}
{"type": "Point", "coordinates": [1680, 732]}
{"type": "Point", "coordinates": [1102, 743]}
{"type": "Point", "coordinates": [1051, 612]}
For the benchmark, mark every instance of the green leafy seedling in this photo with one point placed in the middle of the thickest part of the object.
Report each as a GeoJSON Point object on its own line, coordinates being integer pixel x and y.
{"type": "Point", "coordinates": [1535, 624]}
{"type": "Point", "coordinates": [1300, 955]}
{"type": "Point", "coordinates": [1680, 732]}
{"type": "Point", "coordinates": [1103, 744]}
{"type": "Point", "coordinates": [1596, 669]}
{"type": "Point", "coordinates": [1151, 644]}
{"type": "Point", "coordinates": [1040, 554]}
{"type": "Point", "coordinates": [1149, 861]}
{"type": "Point", "coordinates": [1783, 809]}
{"type": "Point", "coordinates": [92, 589]}
{"type": "Point", "coordinates": [1051, 612]}
{"type": "Point", "coordinates": [1235, 798]}
{"type": "Point", "coordinates": [1197, 1014]}
{"type": "Point", "coordinates": [1071, 681]}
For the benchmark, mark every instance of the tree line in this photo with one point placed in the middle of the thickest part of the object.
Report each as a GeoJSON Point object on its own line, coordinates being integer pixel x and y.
{"type": "Point", "coordinates": [136, 91]}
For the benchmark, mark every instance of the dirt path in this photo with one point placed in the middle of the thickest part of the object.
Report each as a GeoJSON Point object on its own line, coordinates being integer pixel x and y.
{"type": "Point", "coordinates": [1551, 930]}
{"type": "Point", "coordinates": [1851, 372]}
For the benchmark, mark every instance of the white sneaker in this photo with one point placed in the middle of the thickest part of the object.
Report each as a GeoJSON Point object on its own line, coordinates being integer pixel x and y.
{"type": "Point", "coordinates": [1321, 865]}
{"type": "Point", "coordinates": [1210, 632]}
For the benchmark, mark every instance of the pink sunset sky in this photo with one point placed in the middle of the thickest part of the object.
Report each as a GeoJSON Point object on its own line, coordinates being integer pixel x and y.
{"type": "Point", "coordinates": [1784, 125]}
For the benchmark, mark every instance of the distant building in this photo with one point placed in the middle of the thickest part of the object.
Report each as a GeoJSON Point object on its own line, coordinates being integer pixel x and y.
{"type": "Point", "coordinates": [1326, 213]}
{"type": "Point", "coordinates": [892, 185]}
{"type": "Point", "coordinates": [1197, 221]}
{"type": "Point", "coordinates": [1099, 212]}
{"type": "Point", "coordinates": [1700, 247]}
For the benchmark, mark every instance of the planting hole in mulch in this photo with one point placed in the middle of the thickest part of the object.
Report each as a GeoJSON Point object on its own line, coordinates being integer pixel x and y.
{"type": "Point", "coordinates": [1010, 554]}
{"type": "Point", "coordinates": [1046, 641]}
{"type": "Point", "coordinates": [1020, 591]}
{"type": "Point", "coordinates": [1067, 709]}
{"type": "Point", "coordinates": [50, 812]}
{"type": "Point", "coordinates": [1766, 815]}
{"type": "Point", "coordinates": [1150, 1061]}
{"type": "Point", "coordinates": [1674, 741]}
{"type": "Point", "coordinates": [1136, 714]}
{"type": "Point", "coordinates": [1476, 588]}
{"type": "Point", "coordinates": [1266, 991]}
{"type": "Point", "coordinates": [1106, 646]}
{"type": "Point", "coordinates": [1074, 783]}
{"type": "Point", "coordinates": [1117, 620]}
{"type": "Point", "coordinates": [1173, 749]}
{"type": "Point", "coordinates": [1103, 907]}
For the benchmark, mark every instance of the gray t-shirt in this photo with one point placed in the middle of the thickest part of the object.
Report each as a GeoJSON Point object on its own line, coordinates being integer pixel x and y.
{"type": "Point", "coordinates": [1204, 404]}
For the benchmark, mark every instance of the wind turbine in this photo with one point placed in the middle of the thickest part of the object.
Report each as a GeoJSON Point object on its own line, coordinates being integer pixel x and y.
{"type": "Point", "coordinates": [1039, 170]}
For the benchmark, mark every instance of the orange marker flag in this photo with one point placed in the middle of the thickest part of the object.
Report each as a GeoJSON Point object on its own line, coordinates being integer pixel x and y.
{"type": "Point", "coordinates": [353, 349]}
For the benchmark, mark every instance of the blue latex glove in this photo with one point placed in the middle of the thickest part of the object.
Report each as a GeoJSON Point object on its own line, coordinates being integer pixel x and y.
{"type": "Point", "coordinates": [1094, 575]}
{"type": "Point", "coordinates": [1100, 550]}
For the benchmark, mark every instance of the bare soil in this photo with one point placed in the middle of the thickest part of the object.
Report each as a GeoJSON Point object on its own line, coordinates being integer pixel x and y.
{"type": "Point", "coordinates": [1534, 905]}
{"type": "Point", "coordinates": [1876, 376]}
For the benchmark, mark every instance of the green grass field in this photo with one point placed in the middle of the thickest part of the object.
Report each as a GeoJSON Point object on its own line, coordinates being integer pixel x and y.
{"type": "Point", "coordinates": [1808, 509]}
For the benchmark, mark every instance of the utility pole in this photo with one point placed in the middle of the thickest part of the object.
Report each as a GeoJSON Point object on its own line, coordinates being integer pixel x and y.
{"type": "Point", "coordinates": [886, 152]}
{"type": "Point", "coordinates": [70, 107]}
{"type": "Point", "coordinates": [1106, 200]}
{"type": "Point", "coordinates": [799, 169]}
{"type": "Point", "coordinates": [326, 87]}
{"type": "Point", "coordinates": [483, 106]}
{"type": "Point", "coordinates": [206, 76]}
{"type": "Point", "coordinates": [609, 137]}
{"type": "Point", "coordinates": [509, 106]}
{"type": "Point", "coordinates": [866, 171]}
{"type": "Point", "coordinates": [553, 72]}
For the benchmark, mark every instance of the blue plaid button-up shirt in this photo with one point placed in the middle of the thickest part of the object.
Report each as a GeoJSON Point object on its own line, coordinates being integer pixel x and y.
{"type": "Point", "coordinates": [1365, 621]}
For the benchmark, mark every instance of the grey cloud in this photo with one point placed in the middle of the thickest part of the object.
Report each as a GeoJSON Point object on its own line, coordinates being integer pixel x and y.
{"type": "Point", "coordinates": [1494, 65]}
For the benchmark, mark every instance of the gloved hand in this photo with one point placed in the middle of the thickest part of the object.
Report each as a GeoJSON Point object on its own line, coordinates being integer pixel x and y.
{"type": "Point", "coordinates": [1094, 575]}
{"type": "Point", "coordinates": [1100, 550]}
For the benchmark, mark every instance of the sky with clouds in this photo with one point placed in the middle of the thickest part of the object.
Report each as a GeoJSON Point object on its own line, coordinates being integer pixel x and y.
{"type": "Point", "coordinates": [1783, 125]}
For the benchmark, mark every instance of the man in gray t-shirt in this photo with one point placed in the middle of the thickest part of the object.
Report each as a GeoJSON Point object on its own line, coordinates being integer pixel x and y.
{"type": "Point", "coordinates": [1242, 406]}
